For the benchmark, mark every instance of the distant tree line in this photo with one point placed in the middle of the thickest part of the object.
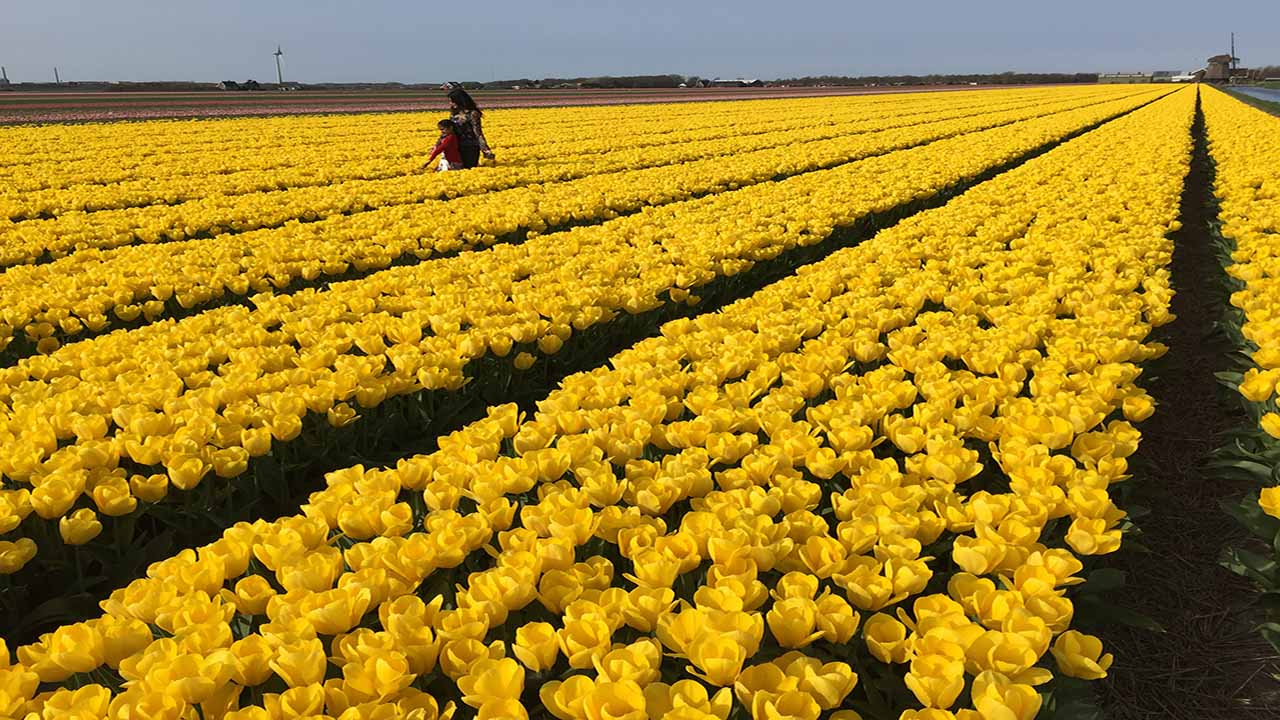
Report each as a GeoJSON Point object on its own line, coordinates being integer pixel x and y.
{"type": "Point", "coordinates": [1005, 78]}
{"type": "Point", "coordinates": [599, 81]}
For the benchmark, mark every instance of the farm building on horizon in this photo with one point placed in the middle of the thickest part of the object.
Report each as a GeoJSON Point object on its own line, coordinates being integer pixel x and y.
{"type": "Point", "coordinates": [1124, 78]}
{"type": "Point", "coordinates": [737, 82]}
{"type": "Point", "coordinates": [1155, 76]}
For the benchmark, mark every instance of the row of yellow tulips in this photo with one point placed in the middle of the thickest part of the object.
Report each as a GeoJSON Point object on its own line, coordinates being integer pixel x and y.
{"type": "Point", "coordinates": [121, 418]}
{"type": "Point", "coordinates": [308, 163]}
{"type": "Point", "coordinates": [864, 490]}
{"type": "Point", "coordinates": [1244, 144]}
{"type": "Point", "coordinates": [202, 212]}
{"type": "Point", "coordinates": [161, 146]}
{"type": "Point", "coordinates": [95, 290]}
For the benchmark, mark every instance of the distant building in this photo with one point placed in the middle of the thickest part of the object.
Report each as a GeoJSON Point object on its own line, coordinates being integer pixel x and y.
{"type": "Point", "coordinates": [228, 85]}
{"type": "Point", "coordinates": [1219, 68]}
{"type": "Point", "coordinates": [737, 82]}
{"type": "Point", "coordinates": [1164, 75]}
{"type": "Point", "coordinates": [1124, 78]}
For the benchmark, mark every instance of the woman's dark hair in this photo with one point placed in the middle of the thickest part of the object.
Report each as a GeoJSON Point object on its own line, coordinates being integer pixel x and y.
{"type": "Point", "coordinates": [463, 99]}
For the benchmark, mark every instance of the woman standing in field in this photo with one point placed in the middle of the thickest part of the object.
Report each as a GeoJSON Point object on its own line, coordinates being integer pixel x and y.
{"type": "Point", "coordinates": [467, 116]}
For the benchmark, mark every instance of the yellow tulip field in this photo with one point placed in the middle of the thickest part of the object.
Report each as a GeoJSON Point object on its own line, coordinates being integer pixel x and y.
{"type": "Point", "coordinates": [817, 408]}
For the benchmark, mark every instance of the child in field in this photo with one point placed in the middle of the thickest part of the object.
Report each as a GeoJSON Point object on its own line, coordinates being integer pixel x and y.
{"type": "Point", "coordinates": [446, 148]}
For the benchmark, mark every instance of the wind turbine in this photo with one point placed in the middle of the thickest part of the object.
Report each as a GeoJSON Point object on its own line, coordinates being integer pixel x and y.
{"type": "Point", "coordinates": [279, 73]}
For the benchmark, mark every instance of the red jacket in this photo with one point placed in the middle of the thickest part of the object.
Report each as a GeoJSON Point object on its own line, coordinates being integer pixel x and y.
{"type": "Point", "coordinates": [448, 145]}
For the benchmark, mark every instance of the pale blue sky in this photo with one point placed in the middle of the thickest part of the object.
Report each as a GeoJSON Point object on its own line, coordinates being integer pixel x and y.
{"type": "Point", "coordinates": [416, 41]}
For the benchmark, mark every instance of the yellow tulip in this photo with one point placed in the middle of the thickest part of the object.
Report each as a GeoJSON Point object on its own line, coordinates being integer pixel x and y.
{"type": "Point", "coordinates": [490, 680]}
{"type": "Point", "coordinates": [583, 640]}
{"type": "Point", "coordinates": [251, 660]}
{"type": "Point", "coordinates": [792, 622]}
{"type": "Point", "coordinates": [77, 648]}
{"type": "Point", "coordinates": [886, 638]}
{"type": "Point", "coordinates": [719, 658]}
{"type": "Point", "coordinates": [1081, 656]}
{"type": "Point", "coordinates": [536, 646]}
{"type": "Point", "coordinates": [791, 705]}
{"type": "Point", "coordinates": [936, 681]}
{"type": "Point", "coordinates": [299, 664]}
{"type": "Point", "coordinates": [376, 677]}
{"type": "Point", "coordinates": [122, 638]}
{"type": "Point", "coordinates": [146, 703]}
{"type": "Point", "coordinates": [994, 695]}
{"type": "Point", "coordinates": [615, 701]}
{"type": "Point", "coordinates": [567, 700]}
{"type": "Point", "coordinates": [79, 527]}
{"type": "Point", "coordinates": [1269, 499]}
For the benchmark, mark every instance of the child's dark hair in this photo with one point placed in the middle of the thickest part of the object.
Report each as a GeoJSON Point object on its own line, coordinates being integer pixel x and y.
{"type": "Point", "coordinates": [449, 125]}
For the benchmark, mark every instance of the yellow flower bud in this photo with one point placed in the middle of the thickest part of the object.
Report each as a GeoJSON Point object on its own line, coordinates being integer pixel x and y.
{"type": "Point", "coordinates": [256, 440]}
{"type": "Point", "coordinates": [584, 639]}
{"type": "Point", "coordinates": [536, 646]}
{"type": "Point", "coordinates": [77, 648]}
{"type": "Point", "coordinates": [1269, 500]}
{"type": "Point", "coordinates": [790, 705]}
{"type": "Point", "coordinates": [502, 709]}
{"type": "Point", "coordinates": [837, 621]}
{"type": "Point", "coordinates": [718, 656]}
{"type": "Point", "coordinates": [147, 704]}
{"type": "Point", "coordinates": [995, 695]}
{"type": "Point", "coordinates": [377, 677]}
{"type": "Point", "coordinates": [17, 686]}
{"type": "Point", "coordinates": [113, 499]}
{"type": "Point", "coordinates": [230, 462]}
{"type": "Point", "coordinates": [79, 527]}
{"type": "Point", "coordinates": [567, 700]}
{"type": "Point", "coordinates": [490, 680]}
{"type": "Point", "coordinates": [298, 702]}
{"type": "Point", "coordinates": [300, 663]}
{"type": "Point", "coordinates": [886, 638]}
{"type": "Point", "coordinates": [823, 555]}
{"type": "Point", "coordinates": [252, 595]}
{"type": "Point", "coordinates": [458, 656]}
{"type": "Point", "coordinates": [1081, 656]}
{"type": "Point", "coordinates": [122, 638]}
{"type": "Point", "coordinates": [54, 497]}
{"type": "Point", "coordinates": [1259, 385]}
{"type": "Point", "coordinates": [792, 622]}
{"type": "Point", "coordinates": [341, 415]}
{"type": "Point", "coordinates": [15, 554]}
{"type": "Point", "coordinates": [1270, 425]}
{"type": "Point", "coordinates": [186, 471]}
{"type": "Point", "coordinates": [936, 681]}
{"type": "Point", "coordinates": [615, 701]}
{"type": "Point", "coordinates": [640, 661]}
{"type": "Point", "coordinates": [251, 660]}
{"type": "Point", "coordinates": [90, 701]}
{"type": "Point", "coordinates": [149, 488]}
{"type": "Point", "coordinates": [1090, 536]}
